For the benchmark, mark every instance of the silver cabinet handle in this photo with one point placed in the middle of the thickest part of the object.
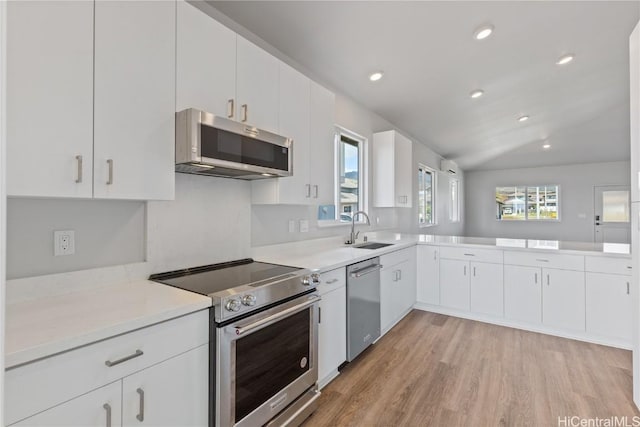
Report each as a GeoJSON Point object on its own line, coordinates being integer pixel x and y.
{"type": "Point", "coordinates": [140, 416]}
{"type": "Point", "coordinates": [331, 281]}
{"type": "Point", "coordinates": [548, 280]}
{"type": "Point", "coordinates": [138, 353]}
{"type": "Point", "coordinates": [366, 270]}
{"type": "Point", "coordinates": [542, 260]}
{"type": "Point", "coordinates": [399, 274]}
{"type": "Point", "coordinates": [79, 176]}
{"type": "Point", "coordinates": [474, 272]}
{"type": "Point", "coordinates": [308, 188]}
{"type": "Point", "coordinates": [627, 288]}
{"type": "Point", "coordinates": [319, 314]}
{"type": "Point", "coordinates": [107, 408]}
{"type": "Point", "coordinates": [469, 254]}
{"type": "Point", "coordinates": [435, 255]}
{"type": "Point", "coordinates": [315, 191]}
{"type": "Point", "coordinates": [535, 278]}
{"type": "Point", "coordinates": [465, 270]}
{"type": "Point", "coordinates": [245, 112]}
{"type": "Point", "coordinates": [231, 108]}
{"type": "Point", "coordinates": [110, 179]}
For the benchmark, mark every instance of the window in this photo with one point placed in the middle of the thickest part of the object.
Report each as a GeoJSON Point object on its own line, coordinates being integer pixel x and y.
{"type": "Point", "coordinates": [426, 196]}
{"type": "Point", "coordinates": [349, 193]}
{"type": "Point", "coordinates": [521, 203]}
{"type": "Point", "coordinates": [454, 202]}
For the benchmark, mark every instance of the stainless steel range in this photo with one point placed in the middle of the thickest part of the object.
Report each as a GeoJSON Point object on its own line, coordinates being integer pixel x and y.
{"type": "Point", "coordinates": [264, 340]}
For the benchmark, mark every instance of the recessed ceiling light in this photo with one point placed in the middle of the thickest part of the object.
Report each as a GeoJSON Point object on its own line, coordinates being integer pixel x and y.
{"type": "Point", "coordinates": [374, 77]}
{"type": "Point", "coordinates": [476, 93]}
{"type": "Point", "coordinates": [565, 59]}
{"type": "Point", "coordinates": [523, 118]}
{"type": "Point", "coordinates": [483, 32]}
{"type": "Point", "coordinates": [546, 146]}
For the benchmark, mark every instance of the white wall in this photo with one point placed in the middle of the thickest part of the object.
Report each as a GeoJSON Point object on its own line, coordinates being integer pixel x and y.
{"type": "Point", "coordinates": [576, 198]}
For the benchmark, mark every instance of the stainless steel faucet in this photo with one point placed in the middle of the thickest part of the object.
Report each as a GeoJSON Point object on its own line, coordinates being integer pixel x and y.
{"type": "Point", "coordinates": [353, 236]}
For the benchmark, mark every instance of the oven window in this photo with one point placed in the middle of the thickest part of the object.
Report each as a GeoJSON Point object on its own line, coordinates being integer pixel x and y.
{"type": "Point", "coordinates": [270, 359]}
{"type": "Point", "coordinates": [223, 145]}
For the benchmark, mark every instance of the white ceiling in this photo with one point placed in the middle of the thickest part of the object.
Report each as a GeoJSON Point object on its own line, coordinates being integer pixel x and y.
{"type": "Point", "coordinates": [431, 62]}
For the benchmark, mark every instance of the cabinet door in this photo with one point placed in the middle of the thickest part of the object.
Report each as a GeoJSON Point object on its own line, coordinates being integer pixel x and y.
{"type": "Point", "coordinates": [487, 291]}
{"type": "Point", "coordinates": [403, 171]}
{"type": "Point", "coordinates": [454, 284]}
{"type": "Point", "coordinates": [332, 332]}
{"type": "Point", "coordinates": [134, 99]}
{"type": "Point", "coordinates": [174, 392]}
{"type": "Point", "coordinates": [256, 86]}
{"type": "Point", "coordinates": [523, 293]}
{"type": "Point", "coordinates": [428, 281]}
{"type": "Point", "coordinates": [205, 63]}
{"type": "Point", "coordinates": [49, 98]}
{"type": "Point", "coordinates": [322, 146]}
{"type": "Point", "coordinates": [563, 299]}
{"type": "Point", "coordinates": [608, 305]}
{"type": "Point", "coordinates": [387, 295]}
{"type": "Point", "coordinates": [87, 410]}
{"type": "Point", "coordinates": [407, 283]}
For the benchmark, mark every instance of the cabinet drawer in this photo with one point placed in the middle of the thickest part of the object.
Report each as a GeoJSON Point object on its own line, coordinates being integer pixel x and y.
{"type": "Point", "coordinates": [48, 382]}
{"type": "Point", "coordinates": [395, 258]}
{"type": "Point", "coordinates": [601, 264]}
{"type": "Point", "coordinates": [537, 259]}
{"type": "Point", "coordinates": [471, 254]}
{"type": "Point", "coordinates": [332, 280]}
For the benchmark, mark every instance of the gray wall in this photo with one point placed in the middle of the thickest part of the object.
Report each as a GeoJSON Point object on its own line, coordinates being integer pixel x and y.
{"type": "Point", "coordinates": [576, 198]}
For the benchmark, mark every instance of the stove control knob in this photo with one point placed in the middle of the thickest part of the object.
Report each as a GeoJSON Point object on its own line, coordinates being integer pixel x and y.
{"type": "Point", "coordinates": [306, 280]}
{"type": "Point", "coordinates": [315, 279]}
{"type": "Point", "coordinates": [233, 305]}
{"type": "Point", "coordinates": [249, 300]}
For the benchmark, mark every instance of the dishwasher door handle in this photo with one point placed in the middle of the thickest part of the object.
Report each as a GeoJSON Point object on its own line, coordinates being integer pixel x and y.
{"type": "Point", "coordinates": [366, 270]}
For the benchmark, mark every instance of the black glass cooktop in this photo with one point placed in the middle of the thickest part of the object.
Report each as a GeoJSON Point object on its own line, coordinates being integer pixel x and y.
{"type": "Point", "coordinates": [209, 279]}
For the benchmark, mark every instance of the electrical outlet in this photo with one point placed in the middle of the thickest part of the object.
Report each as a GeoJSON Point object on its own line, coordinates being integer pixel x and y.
{"type": "Point", "coordinates": [304, 225]}
{"type": "Point", "coordinates": [292, 226]}
{"type": "Point", "coordinates": [64, 242]}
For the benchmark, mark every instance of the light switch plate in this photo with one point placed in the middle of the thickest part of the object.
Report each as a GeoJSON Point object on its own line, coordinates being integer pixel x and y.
{"type": "Point", "coordinates": [64, 242]}
{"type": "Point", "coordinates": [304, 225]}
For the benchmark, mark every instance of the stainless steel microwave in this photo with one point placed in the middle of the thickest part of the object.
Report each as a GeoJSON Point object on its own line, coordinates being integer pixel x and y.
{"type": "Point", "coordinates": [207, 144]}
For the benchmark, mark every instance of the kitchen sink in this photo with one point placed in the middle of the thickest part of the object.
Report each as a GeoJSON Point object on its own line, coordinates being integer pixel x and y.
{"type": "Point", "coordinates": [372, 245]}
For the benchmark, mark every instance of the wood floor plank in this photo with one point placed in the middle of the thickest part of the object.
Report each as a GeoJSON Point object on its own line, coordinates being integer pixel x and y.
{"type": "Point", "coordinates": [437, 370]}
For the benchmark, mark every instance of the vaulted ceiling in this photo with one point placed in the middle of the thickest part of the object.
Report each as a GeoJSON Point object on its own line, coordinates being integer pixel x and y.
{"type": "Point", "coordinates": [431, 63]}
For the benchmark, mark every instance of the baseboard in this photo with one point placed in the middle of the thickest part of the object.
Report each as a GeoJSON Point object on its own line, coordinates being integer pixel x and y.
{"type": "Point", "coordinates": [610, 342]}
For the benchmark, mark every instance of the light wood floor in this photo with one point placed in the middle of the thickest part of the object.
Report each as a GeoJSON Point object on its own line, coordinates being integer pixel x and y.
{"type": "Point", "coordinates": [436, 370]}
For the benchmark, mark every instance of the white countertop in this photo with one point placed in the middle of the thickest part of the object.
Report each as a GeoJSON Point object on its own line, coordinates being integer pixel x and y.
{"type": "Point", "coordinates": [41, 327]}
{"type": "Point", "coordinates": [330, 253]}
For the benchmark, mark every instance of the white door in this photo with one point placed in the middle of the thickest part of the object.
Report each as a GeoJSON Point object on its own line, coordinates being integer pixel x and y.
{"type": "Point", "coordinates": [454, 284]}
{"type": "Point", "coordinates": [487, 289]}
{"type": "Point", "coordinates": [523, 294]}
{"type": "Point", "coordinates": [205, 63]}
{"type": "Point", "coordinates": [172, 393]}
{"type": "Point", "coordinates": [134, 99]}
{"type": "Point", "coordinates": [612, 214]}
{"type": "Point", "coordinates": [332, 332]}
{"type": "Point", "coordinates": [609, 308]}
{"type": "Point", "coordinates": [428, 281]}
{"type": "Point", "coordinates": [49, 98]}
{"type": "Point", "coordinates": [322, 146]}
{"type": "Point", "coordinates": [256, 86]}
{"type": "Point", "coordinates": [99, 408]}
{"type": "Point", "coordinates": [563, 299]}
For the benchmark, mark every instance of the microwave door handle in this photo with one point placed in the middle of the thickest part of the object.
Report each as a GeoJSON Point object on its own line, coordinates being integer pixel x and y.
{"type": "Point", "coordinates": [241, 330]}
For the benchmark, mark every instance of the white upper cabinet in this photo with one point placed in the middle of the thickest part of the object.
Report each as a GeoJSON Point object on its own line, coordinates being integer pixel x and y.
{"type": "Point", "coordinates": [206, 63]}
{"type": "Point", "coordinates": [392, 170]}
{"type": "Point", "coordinates": [134, 99]}
{"type": "Point", "coordinates": [49, 98]}
{"type": "Point", "coordinates": [256, 86]}
{"type": "Point", "coordinates": [322, 145]}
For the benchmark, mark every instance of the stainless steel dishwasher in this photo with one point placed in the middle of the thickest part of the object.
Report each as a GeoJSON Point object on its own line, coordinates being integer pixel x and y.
{"type": "Point", "coordinates": [363, 306]}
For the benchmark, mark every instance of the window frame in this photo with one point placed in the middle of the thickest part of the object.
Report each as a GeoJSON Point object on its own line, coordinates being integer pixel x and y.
{"type": "Point", "coordinates": [458, 218]}
{"type": "Point", "coordinates": [434, 186]}
{"type": "Point", "coordinates": [362, 177]}
{"type": "Point", "coordinates": [526, 206]}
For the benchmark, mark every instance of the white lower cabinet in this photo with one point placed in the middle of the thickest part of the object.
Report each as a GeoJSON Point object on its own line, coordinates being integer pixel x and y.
{"type": "Point", "coordinates": [332, 328]}
{"type": "Point", "coordinates": [523, 294]}
{"type": "Point", "coordinates": [99, 408]}
{"type": "Point", "coordinates": [397, 286]}
{"type": "Point", "coordinates": [428, 275]}
{"type": "Point", "coordinates": [609, 305]}
{"type": "Point", "coordinates": [454, 284]}
{"type": "Point", "coordinates": [563, 299]}
{"type": "Point", "coordinates": [486, 289]}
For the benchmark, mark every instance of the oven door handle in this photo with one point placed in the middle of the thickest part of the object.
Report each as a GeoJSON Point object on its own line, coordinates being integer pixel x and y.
{"type": "Point", "coordinates": [240, 330]}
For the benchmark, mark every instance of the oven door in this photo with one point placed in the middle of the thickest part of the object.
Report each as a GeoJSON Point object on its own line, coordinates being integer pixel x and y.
{"type": "Point", "coordinates": [266, 361]}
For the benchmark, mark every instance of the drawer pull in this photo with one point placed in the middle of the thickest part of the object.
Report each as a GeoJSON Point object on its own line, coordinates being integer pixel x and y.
{"type": "Point", "coordinates": [110, 167]}
{"type": "Point", "coordinates": [629, 267]}
{"type": "Point", "coordinates": [138, 353]}
{"type": "Point", "coordinates": [140, 416]}
{"type": "Point", "coordinates": [535, 278]}
{"type": "Point", "coordinates": [79, 176]}
{"type": "Point", "coordinates": [548, 280]}
{"type": "Point", "coordinates": [627, 288]}
{"type": "Point", "coordinates": [474, 272]}
{"type": "Point", "coordinates": [107, 408]}
{"type": "Point", "coordinates": [542, 260]}
{"type": "Point", "coordinates": [465, 270]}
{"type": "Point", "coordinates": [331, 281]}
{"type": "Point", "coordinates": [469, 254]}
